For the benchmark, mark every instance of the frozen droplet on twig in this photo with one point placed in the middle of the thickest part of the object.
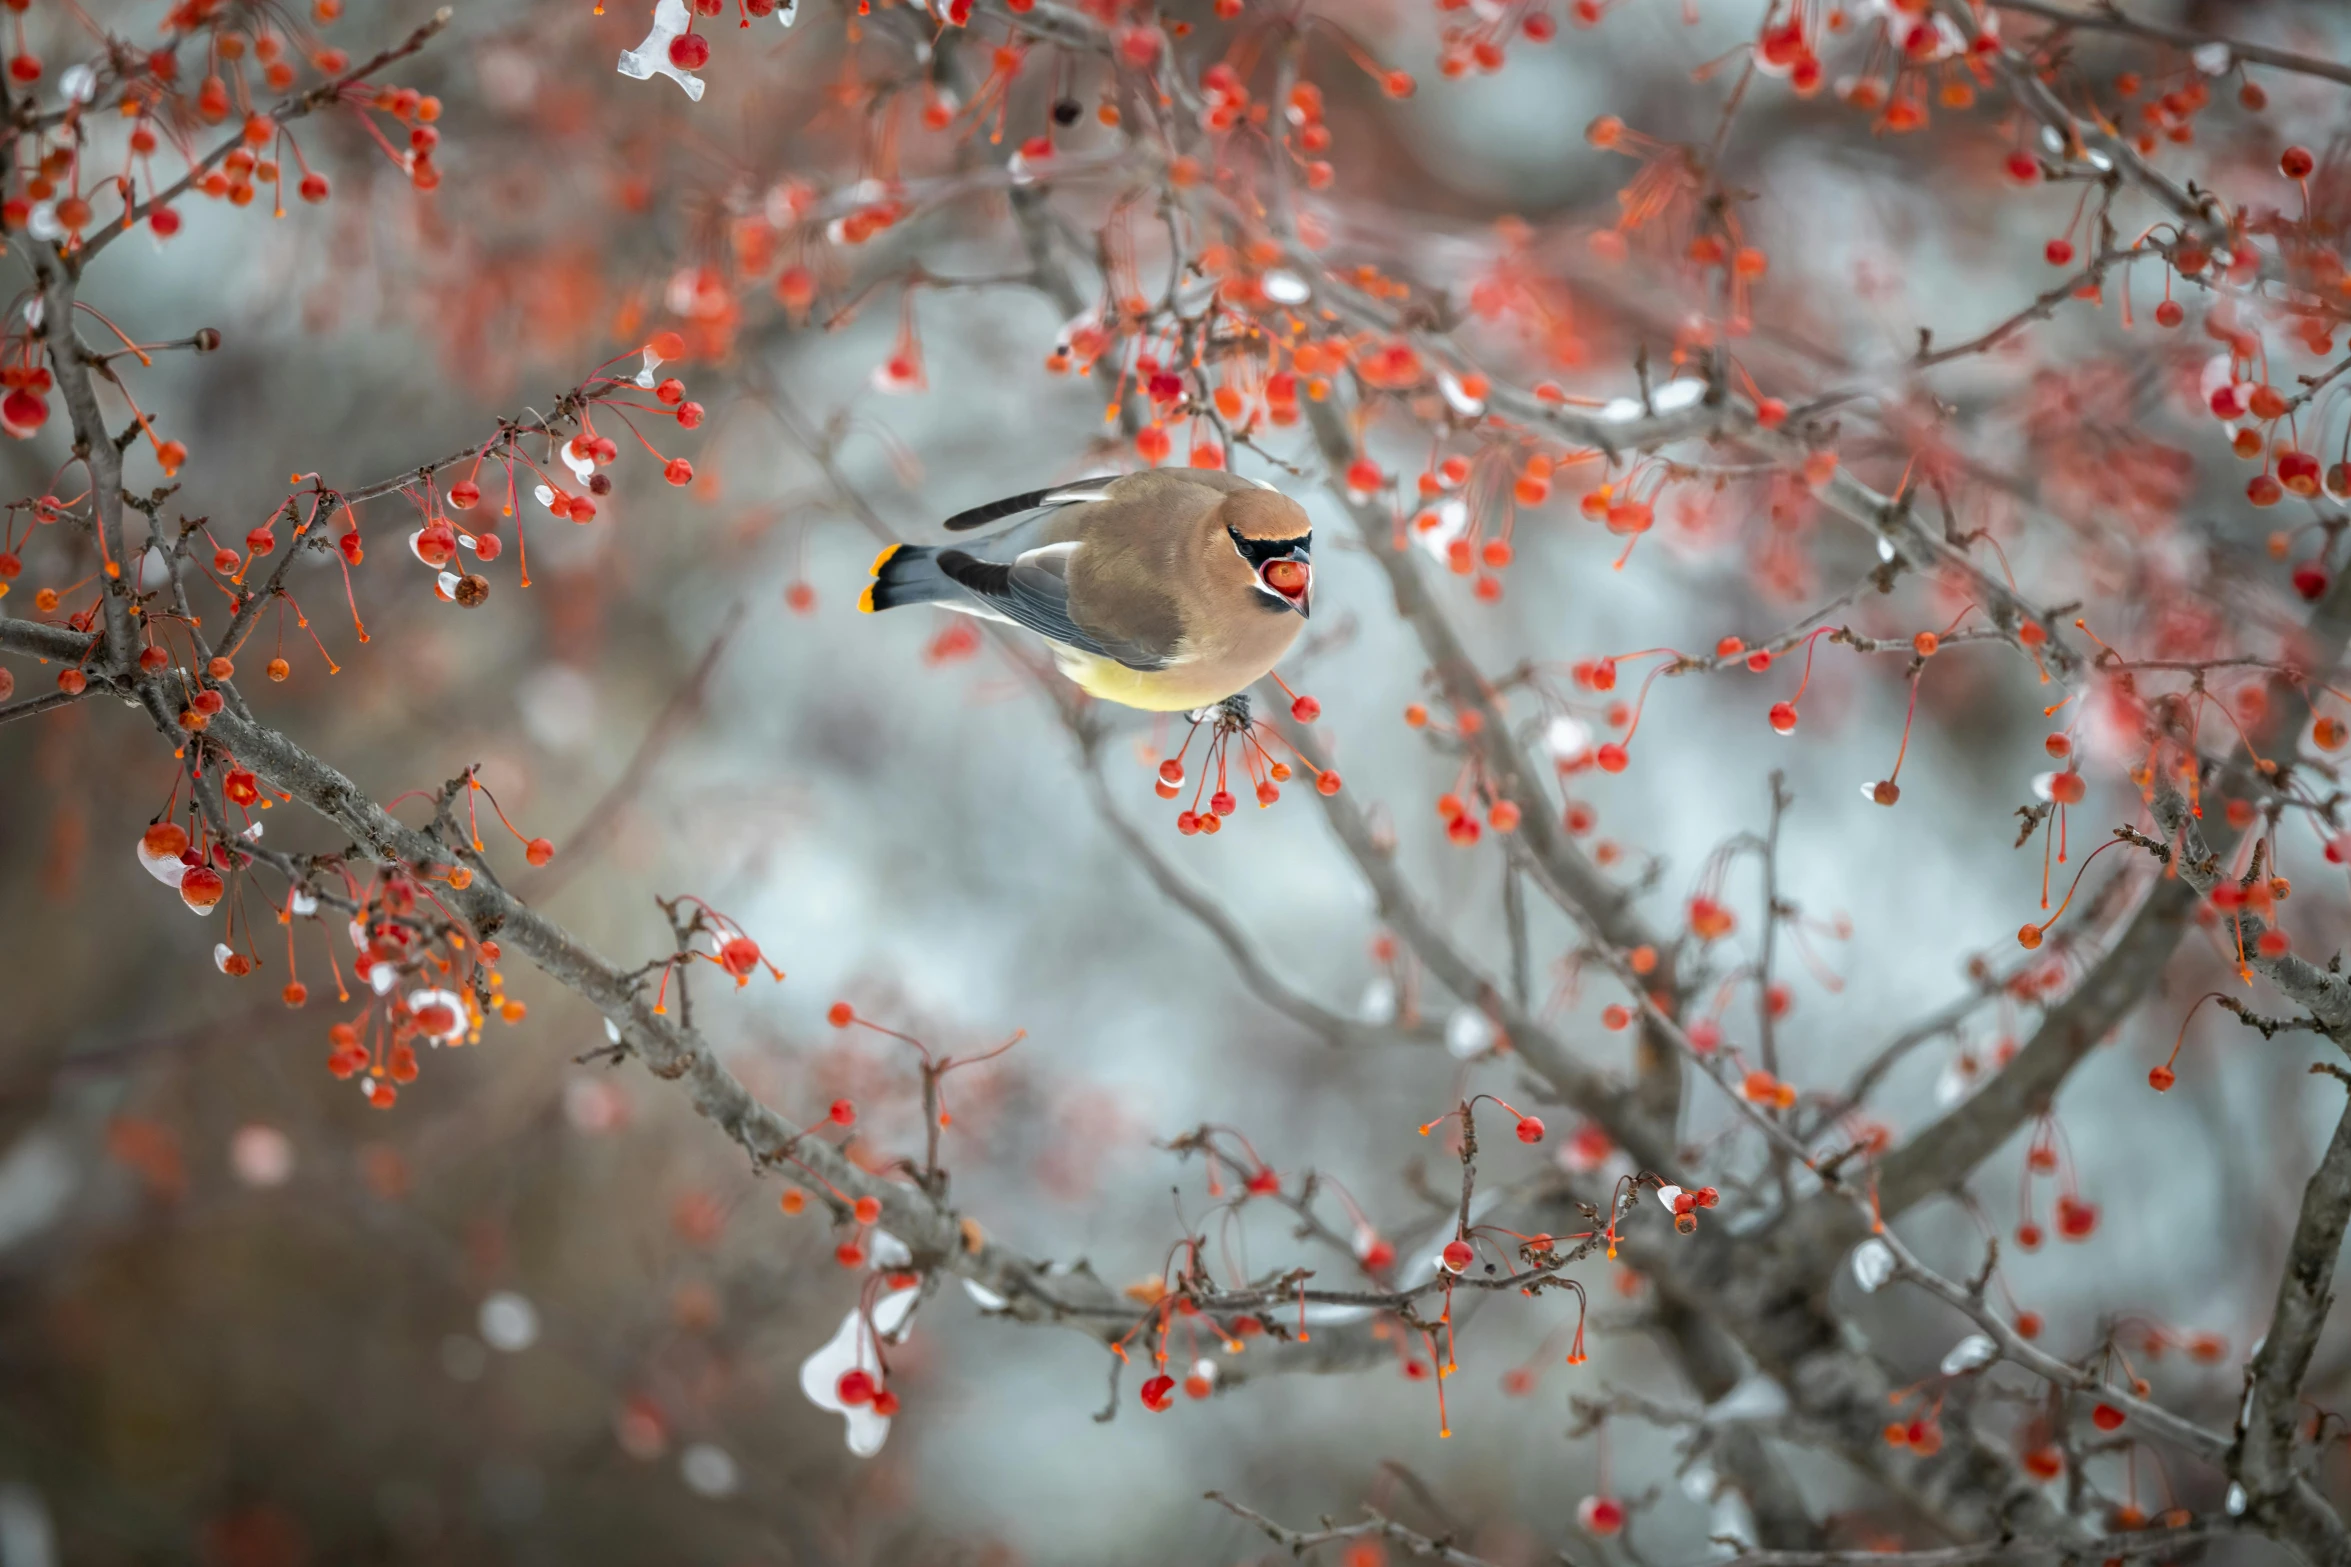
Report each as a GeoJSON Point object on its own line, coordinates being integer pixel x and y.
{"type": "Point", "coordinates": [1970, 1353]}
{"type": "Point", "coordinates": [1452, 516]}
{"type": "Point", "coordinates": [1567, 736]}
{"type": "Point", "coordinates": [439, 1014]}
{"type": "Point", "coordinates": [1285, 288]}
{"type": "Point", "coordinates": [165, 868]}
{"type": "Point", "coordinates": [1458, 395]}
{"type": "Point", "coordinates": [1873, 1265]}
{"type": "Point", "coordinates": [1469, 1033]}
{"type": "Point", "coordinates": [852, 1348]}
{"type": "Point", "coordinates": [1678, 394]}
{"type": "Point", "coordinates": [651, 58]}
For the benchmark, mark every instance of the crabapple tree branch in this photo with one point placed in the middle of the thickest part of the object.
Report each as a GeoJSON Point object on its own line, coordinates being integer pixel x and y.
{"type": "Point", "coordinates": [2104, 16]}
{"type": "Point", "coordinates": [1941, 1154]}
{"type": "Point", "coordinates": [2263, 1455]}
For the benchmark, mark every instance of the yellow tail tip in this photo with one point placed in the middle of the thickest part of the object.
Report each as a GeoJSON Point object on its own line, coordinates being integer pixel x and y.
{"type": "Point", "coordinates": [865, 602]}
{"type": "Point", "coordinates": [883, 559]}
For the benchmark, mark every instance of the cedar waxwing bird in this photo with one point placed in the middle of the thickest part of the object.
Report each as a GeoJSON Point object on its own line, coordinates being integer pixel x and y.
{"type": "Point", "coordinates": [1169, 589]}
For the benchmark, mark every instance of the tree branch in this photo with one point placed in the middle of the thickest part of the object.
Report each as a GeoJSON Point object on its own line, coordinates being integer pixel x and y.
{"type": "Point", "coordinates": [2109, 18]}
{"type": "Point", "coordinates": [2262, 1458]}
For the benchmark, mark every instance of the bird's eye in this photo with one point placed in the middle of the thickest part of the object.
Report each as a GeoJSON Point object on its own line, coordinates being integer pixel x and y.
{"type": "Point", "coordinates": [1286, 577]}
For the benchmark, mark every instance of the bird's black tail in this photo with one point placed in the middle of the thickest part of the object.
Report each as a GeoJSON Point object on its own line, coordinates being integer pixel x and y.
{"type": "Point", "coordinates": [906, 574]}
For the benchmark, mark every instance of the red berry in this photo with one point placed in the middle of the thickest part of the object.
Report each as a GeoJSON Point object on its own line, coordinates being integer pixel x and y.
{"type": "Point", "coordinates": [689, 51]}
{"type": "Point", "coordinates": [1530, 1130]}
{"type": "Point", "coordinates": [201, 888]}
{"type": "Point", "coordinates": [1306, 710]}
{"type": "Point", "coordinates": [1458, 1255]}
{"type": "Point", "coordinates": [2106, 1417]}
{"type": "Point", "coordinates": [842, 1113]}
{"type": "Point", "coordinates": [1601, 1515]}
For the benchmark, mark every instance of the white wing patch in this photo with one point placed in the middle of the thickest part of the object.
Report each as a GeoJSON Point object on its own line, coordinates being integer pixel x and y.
{"type": "Point", "coordinates": [975, 609]}
{"type": "Point", "coordinates": [1049, 557]}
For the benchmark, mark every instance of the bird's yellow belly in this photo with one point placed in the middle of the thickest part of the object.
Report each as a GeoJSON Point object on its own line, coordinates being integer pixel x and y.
{"type": "Point", "coordinates": [1179, 689]}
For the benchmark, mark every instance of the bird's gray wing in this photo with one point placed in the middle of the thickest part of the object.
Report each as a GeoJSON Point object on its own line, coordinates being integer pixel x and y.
{"type": "Point", "coordinates": [1032, 589]}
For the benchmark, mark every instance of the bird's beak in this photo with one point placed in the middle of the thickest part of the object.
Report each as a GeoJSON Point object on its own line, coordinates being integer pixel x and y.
{"type": "Point", "coordinates": [1300, 579]}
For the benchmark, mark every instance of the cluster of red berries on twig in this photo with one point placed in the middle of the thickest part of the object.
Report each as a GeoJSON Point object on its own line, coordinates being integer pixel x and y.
{"type": "Point", "coordinates": [1233, 731]}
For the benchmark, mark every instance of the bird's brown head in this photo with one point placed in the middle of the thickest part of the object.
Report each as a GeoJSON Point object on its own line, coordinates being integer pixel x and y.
{"type": "Point", "coordinates": [1272, 534]}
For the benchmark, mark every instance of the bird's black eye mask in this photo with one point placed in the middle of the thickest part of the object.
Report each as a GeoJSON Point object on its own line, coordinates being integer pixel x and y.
{"type": "Point", "coordinates": [1282, 568]}
{"type": "Point", "coordinates": [1258, 552]}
